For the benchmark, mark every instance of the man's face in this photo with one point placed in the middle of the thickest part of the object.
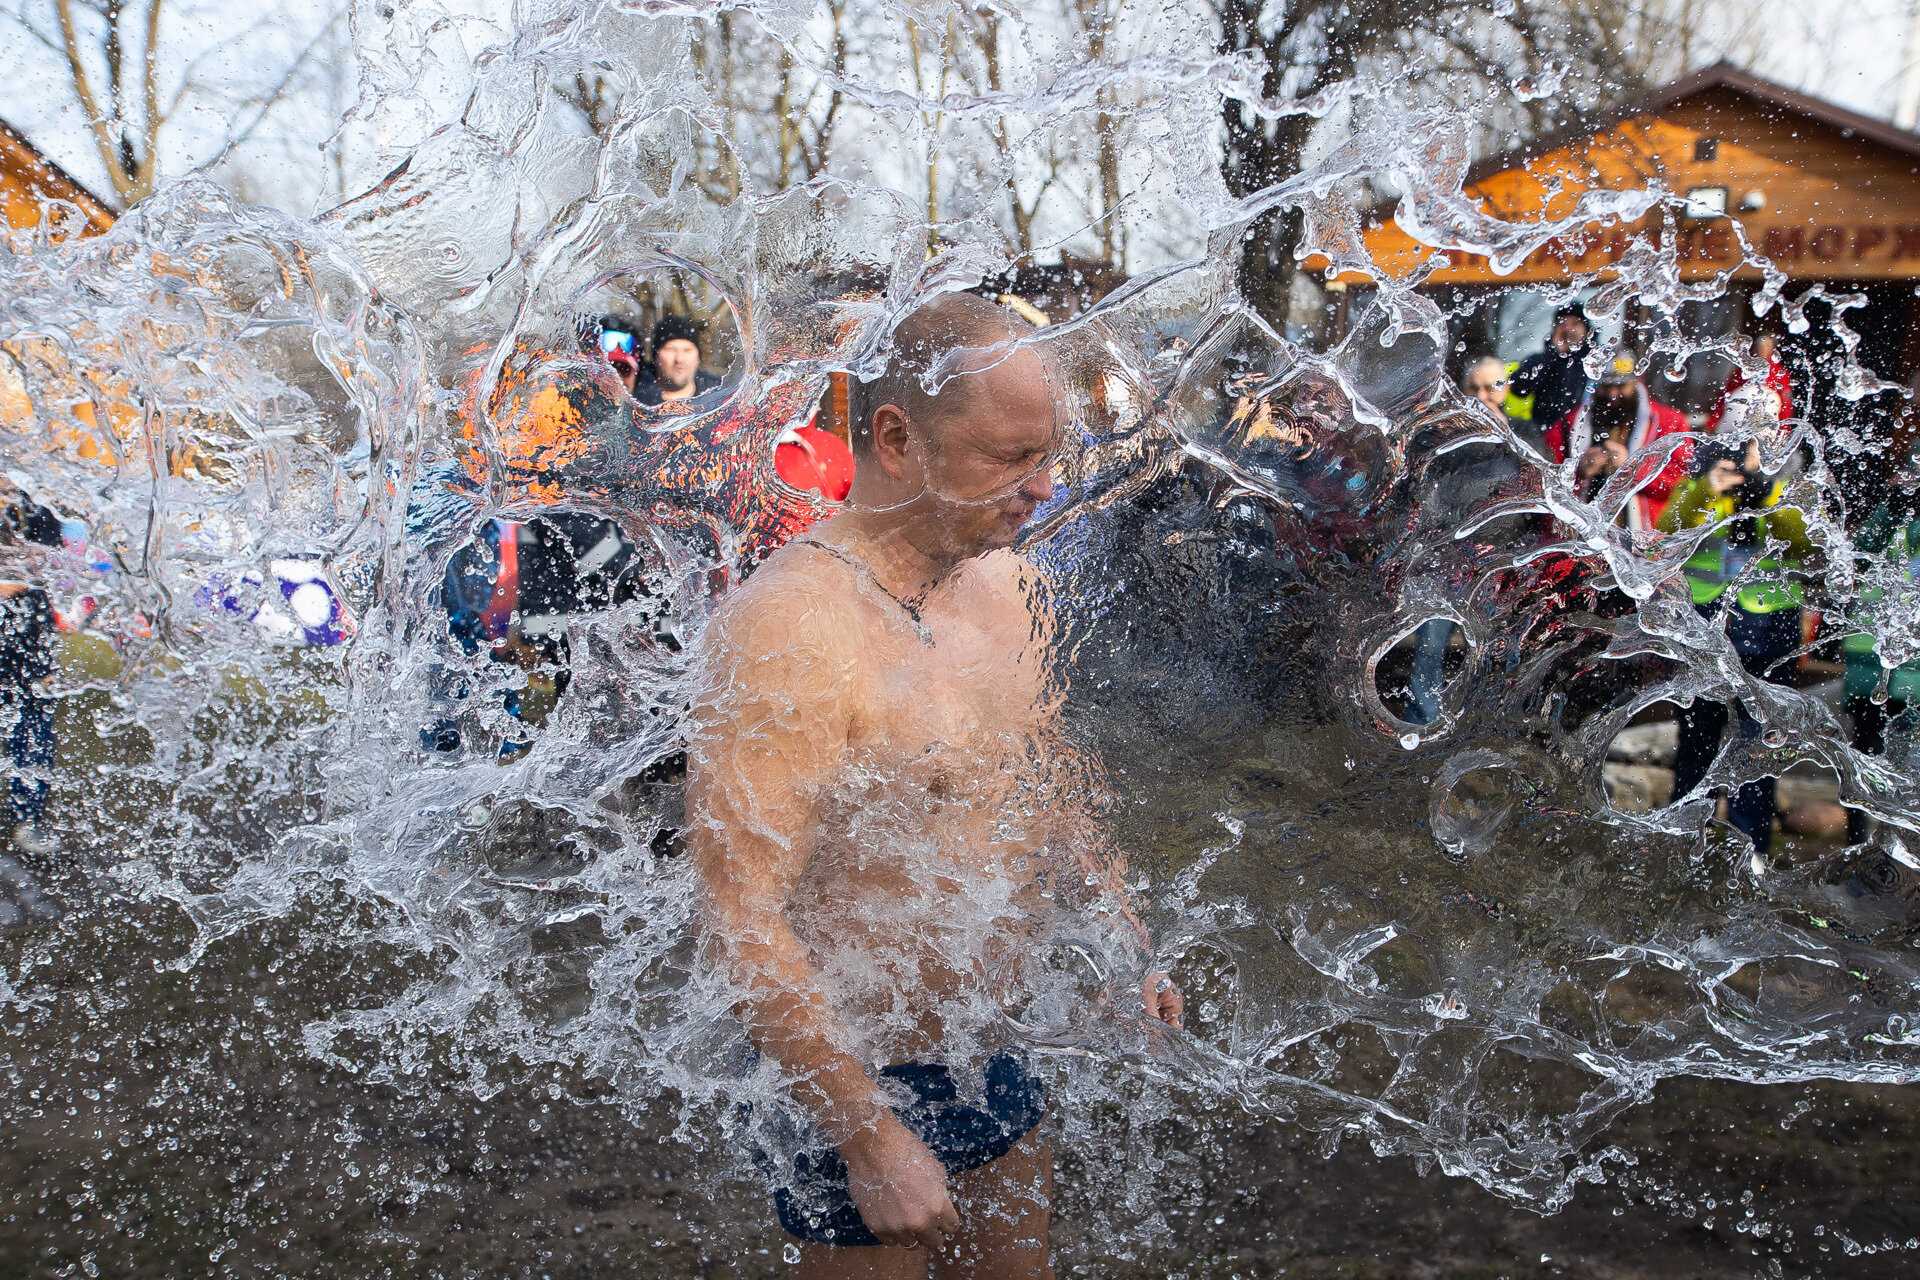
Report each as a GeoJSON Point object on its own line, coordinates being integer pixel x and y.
{"type": "Point", "coordinates": [1488, 385]}
{"type": "Point", "coordinates": [628, 368]}
{"type": "Point", "coordinates": [1568, 334]}
{"type": "Point", "coordinates": [674, 365]}
{"type": "Point", "coordinates": [1615, 405]}
{"type": "Point", "coordinates": [989, 462]}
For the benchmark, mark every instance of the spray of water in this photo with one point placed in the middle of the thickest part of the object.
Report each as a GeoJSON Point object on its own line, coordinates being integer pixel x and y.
{"type": "Point", "coordinates": [273, 436]}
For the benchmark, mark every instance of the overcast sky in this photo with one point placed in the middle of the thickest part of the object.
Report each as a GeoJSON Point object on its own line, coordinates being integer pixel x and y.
{"type": "Point", "coordinates": [1848, 50]}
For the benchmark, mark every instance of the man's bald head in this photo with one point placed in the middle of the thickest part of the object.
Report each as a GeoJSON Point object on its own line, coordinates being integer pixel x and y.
{"type": "Point", "coordinates": [959, 470]}
{"type": "Point", "coordinates": [949, 323]}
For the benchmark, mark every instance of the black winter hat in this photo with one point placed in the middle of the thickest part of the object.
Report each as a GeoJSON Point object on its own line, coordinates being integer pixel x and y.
{"type": "Point", "coordinates": [1571, 311]}
{"type": "Point", "coordinates": [670, 326]}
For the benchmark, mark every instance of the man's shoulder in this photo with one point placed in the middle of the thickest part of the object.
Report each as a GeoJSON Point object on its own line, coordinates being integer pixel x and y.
{"type": "Point", "coordinates": [1008, 570]}
{"type": "Point", "coordinates": [800, 594]}
{"type": "Point", "coordinates": [1006, 582]}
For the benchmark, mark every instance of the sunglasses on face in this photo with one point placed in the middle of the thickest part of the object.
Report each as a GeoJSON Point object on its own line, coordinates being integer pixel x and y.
{"type": "Point", "coordinates": [612, 340]}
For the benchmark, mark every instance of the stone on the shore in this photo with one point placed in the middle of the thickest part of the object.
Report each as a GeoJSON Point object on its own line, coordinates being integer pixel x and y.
{"type": "Point", "coordinates": [1821, 819]}
{"type": "Point", "coordinates": [1637, 788]}
{"type": "Point", "coordinates": [1647, 744]}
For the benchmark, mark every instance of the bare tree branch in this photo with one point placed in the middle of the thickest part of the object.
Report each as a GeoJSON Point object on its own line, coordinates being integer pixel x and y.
{"type": "Point", "coordinates": [150, 95]}
{"type": "Point", "coordinates": [20, 20]}
{"type": "Point", "coordinates": [97, 120]}
{"type": "Point", "coordinates": [274, 95]}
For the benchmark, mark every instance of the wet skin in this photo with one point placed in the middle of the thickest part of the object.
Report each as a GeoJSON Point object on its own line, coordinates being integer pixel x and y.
{"type": "Point", "coordinates": [856, 785]}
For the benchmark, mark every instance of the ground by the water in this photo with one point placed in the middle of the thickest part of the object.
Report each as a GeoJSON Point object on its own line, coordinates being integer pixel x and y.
{"type": "Point", "coordinates": [154, 1154]}
{"type": "Point", "coordinates": [163, 1122]}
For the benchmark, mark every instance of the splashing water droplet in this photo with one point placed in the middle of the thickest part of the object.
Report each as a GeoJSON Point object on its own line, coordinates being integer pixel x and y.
{"type": "Point", "coordinates": [388, 569]}
{"type": "Point", "coordinates": [1541, 84]}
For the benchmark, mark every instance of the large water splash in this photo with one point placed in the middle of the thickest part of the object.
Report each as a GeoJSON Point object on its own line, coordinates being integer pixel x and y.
{"type": "Point", "coordinates": [1441, 935]}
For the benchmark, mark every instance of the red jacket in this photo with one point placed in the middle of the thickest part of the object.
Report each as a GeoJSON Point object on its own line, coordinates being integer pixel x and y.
{"type": "Point", "coordinates": [1573, 434]}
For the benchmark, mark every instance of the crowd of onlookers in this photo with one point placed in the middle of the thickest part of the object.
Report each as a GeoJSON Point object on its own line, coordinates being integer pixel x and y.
{"type": "Point", "coordinates": [1754, 572]}
{"type": "Point", "coordinates": [508, 594]}
{"type": "Point", "coordinates": [510, 591]}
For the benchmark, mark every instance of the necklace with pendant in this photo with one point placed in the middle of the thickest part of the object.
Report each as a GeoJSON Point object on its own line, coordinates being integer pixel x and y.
{"type": "Point", "coordinates": [910, 606]}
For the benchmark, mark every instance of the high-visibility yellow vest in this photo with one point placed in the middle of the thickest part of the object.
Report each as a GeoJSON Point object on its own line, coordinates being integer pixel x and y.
{"type": "Point", "coordinates": [1712, 567]}
{"type": "Point", "coordinates": [1517, 405]}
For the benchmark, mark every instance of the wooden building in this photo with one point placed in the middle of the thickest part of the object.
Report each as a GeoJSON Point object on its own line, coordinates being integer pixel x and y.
{"type": "Point", "coordinates": [28, 180]}
{"type": "Point", "coordinates": [1830, 196]}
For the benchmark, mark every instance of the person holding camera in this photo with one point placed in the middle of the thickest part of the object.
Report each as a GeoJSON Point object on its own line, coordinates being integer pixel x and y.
{"type": "Point", "coordinates": [1620, 419]}
{"type": "Point", "coordinates": [1552, 382]}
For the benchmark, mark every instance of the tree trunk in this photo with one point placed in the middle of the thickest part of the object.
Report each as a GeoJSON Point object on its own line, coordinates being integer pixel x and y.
{"type": "Point", "coordinates": [1258, 154]}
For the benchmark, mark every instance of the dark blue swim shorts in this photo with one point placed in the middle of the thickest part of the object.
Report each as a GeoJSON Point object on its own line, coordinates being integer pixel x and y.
{"type": "Point", "coordinates": [813, 1201]}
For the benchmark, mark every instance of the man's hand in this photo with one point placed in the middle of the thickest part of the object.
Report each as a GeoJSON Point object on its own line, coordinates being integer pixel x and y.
{"type": "Point", "coordinates": [1603, 459]}
{"type": "Point", "coordinates": [899, 1187]}
{"type": "Point", "coordinates": [1725, 477]}
{"type": "Point", "coordinates": [1162, 999]}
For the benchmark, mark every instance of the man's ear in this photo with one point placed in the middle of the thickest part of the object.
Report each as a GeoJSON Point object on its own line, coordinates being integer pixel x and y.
{"type": "Point", "coordinates": [891, 439]}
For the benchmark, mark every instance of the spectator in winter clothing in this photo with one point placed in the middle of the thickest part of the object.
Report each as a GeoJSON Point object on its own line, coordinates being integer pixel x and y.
{"type": "Point", "coordinates": [1620, 420]}
{"type": "Point", "coordinates": [513, 589]}
{"type": "Point", "coordinates": [1556, 376]}
{"type": "Point", "coordinates": [1487, 382]}
{"type": "Point", "coordinates": [677, 374]}
{"type": "Point", "coordinates": [1890, 535]}
{"type": "Point", "coordinates": [26, 657]}
{"type": "Point", "coordinates": [1490, 382]}
{"type": "Point", "coordinates": [1461, 480]}
{"type": "Point", "coordinates": [619, 342]}
{"type": "Point", "coordinates": [1761, 614]}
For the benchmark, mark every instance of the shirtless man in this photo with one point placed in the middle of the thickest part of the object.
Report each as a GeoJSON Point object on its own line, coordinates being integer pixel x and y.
{"type": "Point", "coordinates": [877, 826]}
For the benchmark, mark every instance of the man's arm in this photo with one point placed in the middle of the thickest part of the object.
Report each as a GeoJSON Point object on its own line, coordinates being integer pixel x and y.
{"type": "Point", "coordinates": [1098, 873]}
{"type": "Point", "coordinates": [768, 737]}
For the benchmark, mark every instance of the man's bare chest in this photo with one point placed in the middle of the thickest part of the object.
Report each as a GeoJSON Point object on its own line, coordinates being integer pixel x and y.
{"type": "Point", "coordinates": [966, 694]}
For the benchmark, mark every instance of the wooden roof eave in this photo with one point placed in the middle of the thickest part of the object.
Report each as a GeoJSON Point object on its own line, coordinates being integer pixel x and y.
{"type": "Point", "coordinates": [1402, 254]}
{"type": "Point", "coordinates": [52, 182]}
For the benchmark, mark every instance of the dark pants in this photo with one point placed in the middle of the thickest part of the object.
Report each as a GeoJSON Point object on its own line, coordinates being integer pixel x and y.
{"type": "Point", "coordinates": [1761, 640]}
{"type": "Point", "coordinates": [30, 745]}
{"type": "Point", "coordinates": [1870, 722]}
{"type": "Point", "coordinates": [1429, 673]}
